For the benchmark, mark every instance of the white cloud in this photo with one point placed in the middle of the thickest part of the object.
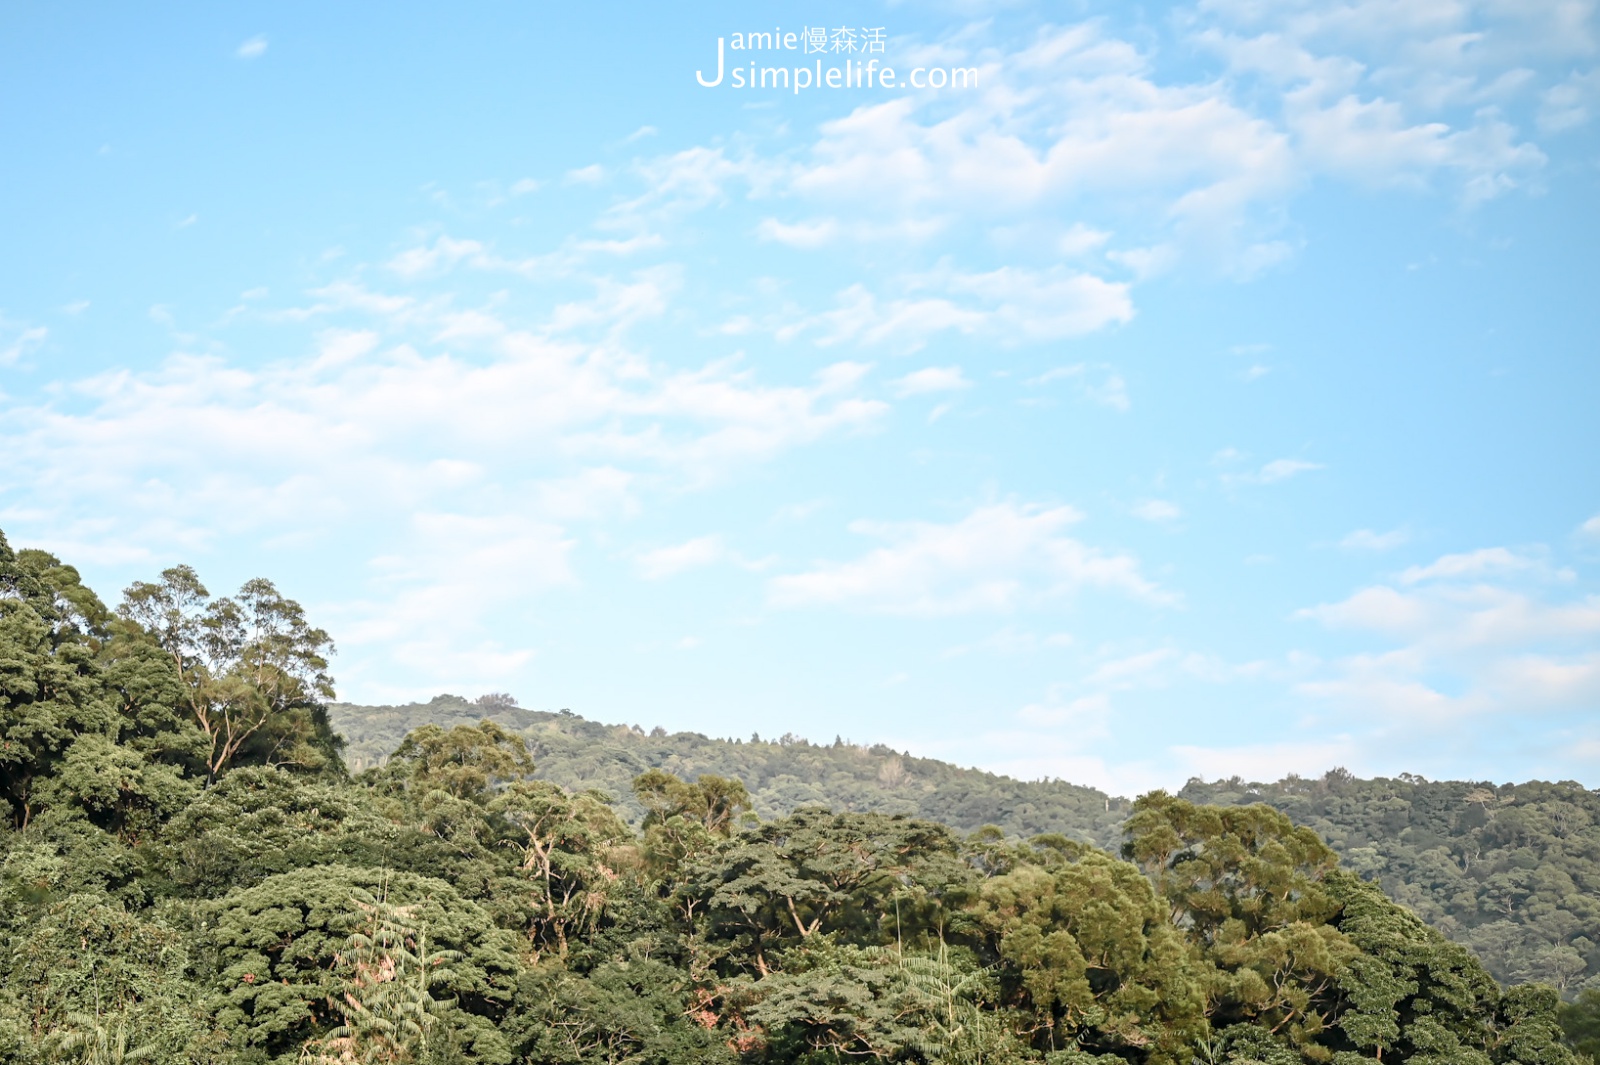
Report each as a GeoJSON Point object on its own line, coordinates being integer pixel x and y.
{"type": "Point", "coordinates": [860, 317]}
{"type": "Point", "coordinates": [254, 48]}
{"type": "Point", "coordinates": [339, 346]}
{"type": "Point", "coordinates": [1489, 560]}
{"type": "Point", "coordinates": [448, 476]}
{"type": "Point", "coordinates": [1158, 510]}
{"type": "Point", "coordinates": [1591, 527]}
{"type": "Point", "coordinates": [1571, 103]}
{"type": "Point", "coordinates": [1056, 751]}
{"type": "Point", "coordinates": [665, 562]}
{"type": "Point", "coordinates": [1011, 641]}
{"type": "Point", "coordinates": [998, 558]}
{"type": "Point", "coordinates": [799, 234]}
{"type": "Point", "coordinates": [1097, 383]}
{"type": "Point", "coordinates": [1081, 240]}
{"type": "Point", "coordinates": [593, 174]}
{"type": "Point", "coordinates": [1379, 608]}
{"type": "Point", "coordinates": [1146, 263]}
{"type": "Point", "coordinates": [1269, 761]}
{"type": "Point", "coordinates": [1087, 717]}
{"type": "Point", "coordinates": [445, 253]}
{"type": "Point", "coordinates": [1461, 618]}
{"type": "Point", "coordinates": [931, 379]}
{"type": "Point", "coordinates": [1273, 472]}
{"type": "Point", "coordinates": [18, 340]}
{"type": "Point", "coordinates": [596, 492]}
{"type": "Point", "coordinates": [1373, 141]}
{"type": "Point", "coordinates": [687, 181]}
{"type": "Point", "coordinates": [1461, 640]}
{"type": "Point", "coordinates": [1074, 112]}
{"type": "Point", "coordinates": [1124, 672]}
{"type": "Point", "coordinates": [428, 617]}
{"type": "Point", "coordinates": [1367, 540]}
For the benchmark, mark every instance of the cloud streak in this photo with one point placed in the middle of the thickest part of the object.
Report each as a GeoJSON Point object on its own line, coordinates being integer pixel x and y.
{"type": "Point", "coordinates": [999, 558]}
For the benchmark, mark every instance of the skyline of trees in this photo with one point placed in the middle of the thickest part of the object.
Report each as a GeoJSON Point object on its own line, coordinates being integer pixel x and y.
{"type": "Point", "coordinates": [189, 873]}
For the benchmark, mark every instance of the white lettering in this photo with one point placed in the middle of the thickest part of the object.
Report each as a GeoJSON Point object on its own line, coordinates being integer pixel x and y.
{"type": "Point", "coordinates": [701, 78]}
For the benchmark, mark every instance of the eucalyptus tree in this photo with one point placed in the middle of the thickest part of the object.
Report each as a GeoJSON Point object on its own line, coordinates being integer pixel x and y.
{"type": "Point", "coordinates": [254, 670]}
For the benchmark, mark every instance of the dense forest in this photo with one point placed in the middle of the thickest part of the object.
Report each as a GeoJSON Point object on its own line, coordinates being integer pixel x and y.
{"type": "Point", "coordinates": [190, 873]}
{"type": "Point", "coordinates": [782, 774]}
{"type": "Point", "coordinates": [1512, 871]}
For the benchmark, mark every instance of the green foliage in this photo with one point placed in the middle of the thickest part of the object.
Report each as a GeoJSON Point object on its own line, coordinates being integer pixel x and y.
{"type": "Point", "coordinates": [388, 975]}
{"type": "Point", "coordinates": [253, 671]}
{"type": "Point", "coordinates": [634, 1009]}
{"type": "Point", "coordinates": [866, 879]}
{"type": "Point", "coordinates": [95, 982]}
{"type": "Point", "coordinates": [464, 762]}
{"type": "Point", "coordinates": [51, 630]}
{"type": "Point", "coordinates": [1410, 991]}
{"type": "Point", "coordinates": [1087, 950]}
{"type": "Point", "coordinates": [712, 801]}
{"type": "Point", "coordinates": [781, 775]}
{"type": "Point", "coordinates": [574, 852]}
{"type": "Point", "coordinates": [1512, 872]}
{"type": "Point", "coordinates": [258, 821]}
{"type": "Point", "coordinates": [1530, 1033]}
{"type": "Point", "coordinates": [1248, 887]}
{"type": "Point", "coordinates": [187, 874]}
{"type": "Point", "coordinates": [281, 968]}
{"type": "Point", "coordinates": [833, 1003]}
{"type": "Point", "coordinates": [1580, 1023]}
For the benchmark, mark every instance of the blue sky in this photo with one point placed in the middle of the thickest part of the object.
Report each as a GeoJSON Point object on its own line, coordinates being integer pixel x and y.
{"type": "Point", "coordinates": [1210, 389]}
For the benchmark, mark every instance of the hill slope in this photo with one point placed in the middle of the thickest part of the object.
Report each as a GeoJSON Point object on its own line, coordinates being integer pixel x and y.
{"type": "Point", "coordinates": [782, 774]}
{"type": "Point", "coordinates": [1512, 871]}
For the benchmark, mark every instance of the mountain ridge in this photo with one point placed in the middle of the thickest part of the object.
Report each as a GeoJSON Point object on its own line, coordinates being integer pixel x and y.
{"type": "Point", "coordinates": [1510, 870]}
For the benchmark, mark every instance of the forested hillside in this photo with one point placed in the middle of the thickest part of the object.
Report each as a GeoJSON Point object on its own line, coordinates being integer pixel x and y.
{"type": "Point", "coordinates": [190, 874]}
{"type": "Point", "coordinates": [1512, 871]}
{"type": "Point", "coordinates": [782, 774]}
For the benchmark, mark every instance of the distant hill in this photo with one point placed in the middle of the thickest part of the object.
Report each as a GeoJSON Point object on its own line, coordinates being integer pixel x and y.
{"type": "Point", "coordinates": [1512, 871]}
{"type": "Point", "coordinates": [782, 774]}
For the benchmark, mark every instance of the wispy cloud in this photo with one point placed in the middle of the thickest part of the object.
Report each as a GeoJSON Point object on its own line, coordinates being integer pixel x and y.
{"type": "Point", "coordinates": [998, 558]}
{"type": "Point", "coordinates": [1367, 540]}
{"type": "Point", "coordinates": [19, 339]}
{"type": "Point", "coordinates": [1484, 562]}
{"type": "Point", "coordinates": [1100, 384]}
{"type": "Point", "coordinates": [1158, 510]}
{"type": "Point", "coordinates": [254, 48]}
{"type": "Point", "coordinates": [413, 405]}
{"type": "Point", "coordinates": [662, 562]}
{"type": "Point", "coordinates": [1471, 634]}
{"type": "Point", "coordinates": [1273, 472]}
{"type": "Point", "coordinates": [813, 234]}
{"type": "Point", "coordinates": [931, 379]}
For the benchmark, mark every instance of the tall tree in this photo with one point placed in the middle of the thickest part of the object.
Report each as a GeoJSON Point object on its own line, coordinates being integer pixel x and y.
{"type": "Point", "coordinates": [50, 691]}
{"type": "Point", "coordinates": [255, 672]}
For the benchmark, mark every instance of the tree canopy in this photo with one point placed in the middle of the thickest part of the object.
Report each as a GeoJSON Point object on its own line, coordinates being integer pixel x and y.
{"type": "Point", "coordinates": [189, 874]}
